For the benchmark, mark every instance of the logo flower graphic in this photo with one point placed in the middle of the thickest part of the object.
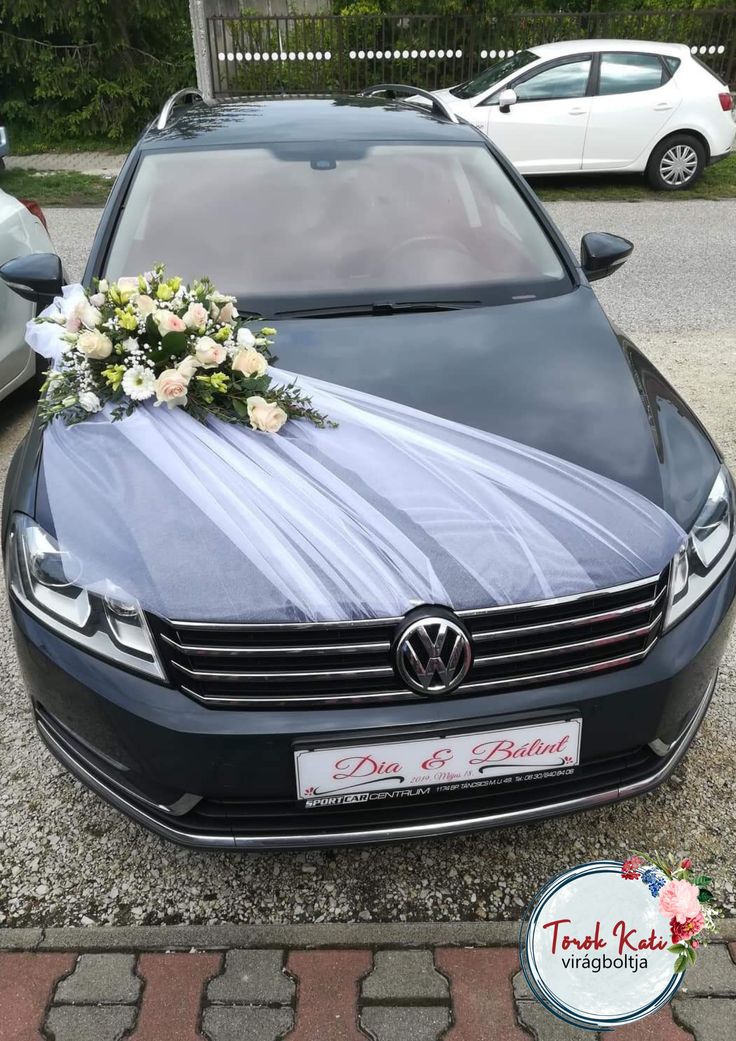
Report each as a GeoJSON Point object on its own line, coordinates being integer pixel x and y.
{"type": "Point", "coordinates": [682, 894]}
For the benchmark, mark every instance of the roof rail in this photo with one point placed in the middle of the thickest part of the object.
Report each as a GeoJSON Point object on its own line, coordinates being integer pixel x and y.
{"type": "Point", "coordinates": [180, 95]}
{"type": "Point", "coordinates": [438, 107]}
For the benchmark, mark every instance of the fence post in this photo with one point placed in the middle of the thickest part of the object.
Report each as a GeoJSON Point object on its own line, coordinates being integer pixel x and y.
{"type": "Point", "coordinates": [200, 38]}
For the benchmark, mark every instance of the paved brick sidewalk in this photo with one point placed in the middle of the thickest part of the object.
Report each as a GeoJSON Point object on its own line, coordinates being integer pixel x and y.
{"type": "Point", "coordinates": [383, 992]}
{"type": "Point", "coordinates": [106, 164]}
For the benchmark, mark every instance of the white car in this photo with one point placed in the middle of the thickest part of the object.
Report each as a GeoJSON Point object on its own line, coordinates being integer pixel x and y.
{"type": "Point", "coordinates": [602, 105]}
{"type": "Point", "coordinates": [22, 231]}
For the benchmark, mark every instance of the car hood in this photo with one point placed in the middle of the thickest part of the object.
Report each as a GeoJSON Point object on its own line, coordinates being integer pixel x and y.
{"type": "Point", "coordinates": [552, 374]}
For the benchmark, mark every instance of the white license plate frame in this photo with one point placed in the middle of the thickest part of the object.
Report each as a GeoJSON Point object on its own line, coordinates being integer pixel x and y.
{"type": "Point", "coordinates": [363, 772]}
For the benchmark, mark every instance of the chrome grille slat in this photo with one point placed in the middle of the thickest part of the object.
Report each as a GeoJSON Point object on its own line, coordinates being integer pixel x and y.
{"type": "Point", "coordinates": [534, 677]}
{"type": "Point", "coordinates": [334, 648]}
{"type": "Point", "coordinates": [599, 641]}
{"type": "Point", "coordinates": [574, 598]}
{"type": "Point", "coordinates": [303, 664]}
{"type": "Point", "coordinates": [384, 670]}
{"type": "Point", "coordinates": [568, 623]}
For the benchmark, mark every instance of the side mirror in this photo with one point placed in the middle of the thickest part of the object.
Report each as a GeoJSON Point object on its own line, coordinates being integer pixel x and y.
{"type": "Point", "coordinates": [37, 277]}
{"type": "Point", "coordinates": [601, 254]}
{"type": "Point", "coordinates": [506, 99]}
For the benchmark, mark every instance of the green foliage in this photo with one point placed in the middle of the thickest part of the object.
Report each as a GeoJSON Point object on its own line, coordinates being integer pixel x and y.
{"type": "Point", "coordinates": [97, 68]}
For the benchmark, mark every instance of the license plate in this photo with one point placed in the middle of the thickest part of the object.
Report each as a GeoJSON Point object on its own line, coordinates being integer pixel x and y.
{"type": "Point", "coordinates": [401, 769]}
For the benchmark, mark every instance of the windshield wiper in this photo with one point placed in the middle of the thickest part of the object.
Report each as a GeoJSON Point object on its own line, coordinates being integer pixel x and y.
{"type": "Point", "coordinates": [384, 308]}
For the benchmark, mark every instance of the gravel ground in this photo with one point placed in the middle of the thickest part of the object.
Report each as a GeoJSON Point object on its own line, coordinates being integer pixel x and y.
{"type": "Point", "coordinates": [66, 858]}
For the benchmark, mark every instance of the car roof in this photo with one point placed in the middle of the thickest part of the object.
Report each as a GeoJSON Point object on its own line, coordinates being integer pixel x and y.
{"type": "Point", "coordinates": [565, 47]}
{"type": "Point", "coordinates": [265, 120]}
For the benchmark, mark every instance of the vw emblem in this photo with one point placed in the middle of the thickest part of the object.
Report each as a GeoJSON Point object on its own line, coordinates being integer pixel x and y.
{"type": "Point", "coordinates": [433, 654]}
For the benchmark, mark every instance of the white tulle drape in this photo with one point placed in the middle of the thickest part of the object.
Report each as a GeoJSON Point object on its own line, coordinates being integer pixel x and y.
{"type": "Point", "coordinates": [393, 508]}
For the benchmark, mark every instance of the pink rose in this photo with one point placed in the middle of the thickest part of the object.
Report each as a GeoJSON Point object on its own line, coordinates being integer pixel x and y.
{"type": "Point", "coordinates": [168, 322]}
{"type": "Point", "coordinates": [679, 900]}
{"type": "Point", "coordinates": [208, 353]}
{"type": "Point", "coordinates": [195, 316]}
{"type": "Point", "coordinates": [171, 388]}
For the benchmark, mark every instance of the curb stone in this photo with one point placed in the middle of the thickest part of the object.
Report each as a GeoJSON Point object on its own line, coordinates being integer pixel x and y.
{"type": "Point", "coordinates": [226, 937]}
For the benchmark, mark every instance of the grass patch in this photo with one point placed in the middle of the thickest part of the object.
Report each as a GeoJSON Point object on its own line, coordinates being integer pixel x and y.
{"type": "Point", "coordinates": [57, 189]}
{"type": "Point", "coordinates": [33, 142]}
{"type": "Point", "coordinates": [717, 182]}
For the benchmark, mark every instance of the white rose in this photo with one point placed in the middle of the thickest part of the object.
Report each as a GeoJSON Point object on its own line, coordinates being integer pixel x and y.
{"type": "Point", "coordinates": [168, 322]}
{"type": "Point", "coordinates": [171, 388]}
{"type": "Point", "coordinates": [144, 304]}
{"type": "Point", "coordinates": [195, 316]}
{"type": "Point", "coordinates": [246, 337]}
{"type": "Point", "coordinates": [103, 285]}
{"type": "Point", "coordinates": [265, 415]}
{"type": "Point", "coordinates": [94, 344]}
{"type": "Point", "coordinates": [250, 362]}
{"type": "Point", "coordinates": [188, 366]}
{"type": "Point", "coordinates": [97, 299]}
{"type": "Point", "coordinates": [89, 402]}
{"type": "Point", "coordinates": [208, 353]}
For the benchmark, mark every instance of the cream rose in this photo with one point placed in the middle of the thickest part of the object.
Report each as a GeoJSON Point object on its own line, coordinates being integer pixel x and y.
{"type": "Point", "coordinates": [265, 415]}
{"type": "Point", "coordinates": [97, 299]}
{"type": "Point", "coordinates": [94, 344]}
{"type": "Point", "coordinates": [168, 322]}
{"type": "Point", "coordinates": [246, 338]}
{"type": "Point", "coordinates": [188, 366]}
{"type": "Point", "coordinates": [250, 362]}
{"type": "Point", "coordinates": [228, 312]}
{"type": "Point", "coordinates": [83, 313]}
{"type": "Point", "coordinates": [195, 316]}
{"type": "Point", "coordinates": [144, 304]}
{"type": "Point", "coordinates": [171, 388]}
{"type": "Point", "coordinates": [208, 353]}
{"type": "Point", "coordinates": [128, 284]}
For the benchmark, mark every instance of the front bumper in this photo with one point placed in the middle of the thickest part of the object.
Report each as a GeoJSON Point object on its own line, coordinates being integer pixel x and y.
{"type": "Point", "coordinates": [225, 778]}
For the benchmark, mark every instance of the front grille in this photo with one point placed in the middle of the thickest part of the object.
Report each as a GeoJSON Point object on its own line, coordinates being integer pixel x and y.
{"type": "Point", "coordinates": [331, 663]}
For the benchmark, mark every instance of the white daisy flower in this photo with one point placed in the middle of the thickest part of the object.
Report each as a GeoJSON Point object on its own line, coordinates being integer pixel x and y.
{"type": "Point", "coordinates": [139, 383]}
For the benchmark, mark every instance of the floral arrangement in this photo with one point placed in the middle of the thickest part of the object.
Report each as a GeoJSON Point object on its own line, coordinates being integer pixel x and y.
{"type": "Point", "coordinates": [683, 895]}
{"type": "Point", "coordinates": [155, 339]}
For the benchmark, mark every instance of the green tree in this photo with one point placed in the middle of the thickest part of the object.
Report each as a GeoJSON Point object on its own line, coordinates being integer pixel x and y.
{"type": "Point", "coordinates": [97, 68]}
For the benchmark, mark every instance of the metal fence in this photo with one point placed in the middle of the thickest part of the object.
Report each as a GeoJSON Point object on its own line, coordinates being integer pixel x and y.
{"type": "Point", "coordinates": [325, 54]}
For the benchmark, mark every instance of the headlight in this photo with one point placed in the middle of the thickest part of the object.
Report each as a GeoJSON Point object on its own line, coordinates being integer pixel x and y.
{"type": "Point", "coordinates": [707, 553]}
{"type": "Point", "coordinates": [44, 578]}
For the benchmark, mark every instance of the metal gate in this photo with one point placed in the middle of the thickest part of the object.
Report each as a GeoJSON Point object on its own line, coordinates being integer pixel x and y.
{"type": "Point", "coordinates": [341, 54]}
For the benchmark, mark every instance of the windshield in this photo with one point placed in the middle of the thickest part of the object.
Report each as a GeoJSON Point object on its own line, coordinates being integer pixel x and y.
{"type": "Point", "coordinates": [329, 223]}
{"type": "Point", "coordinates": [493, 74]}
